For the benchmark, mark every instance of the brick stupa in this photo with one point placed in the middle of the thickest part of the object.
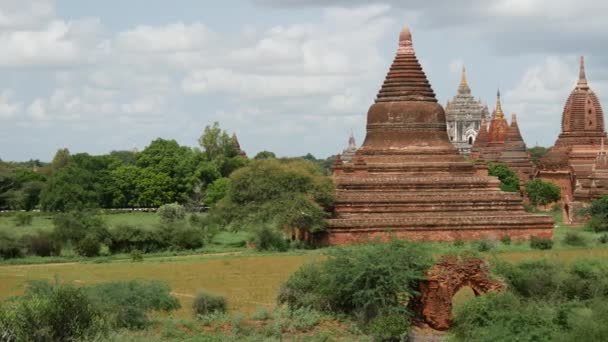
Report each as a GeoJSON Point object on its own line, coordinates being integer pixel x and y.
{"type": "Point", "coordinates": [407, 180]}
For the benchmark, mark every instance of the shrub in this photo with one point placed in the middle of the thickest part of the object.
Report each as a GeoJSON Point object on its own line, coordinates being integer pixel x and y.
{"type": "Point", "coordinates": [171, 212]}
{"type": "Point", "coordinates": [458, 243]}
{"type": "Point", "coordinates": [42, 244]}
{"type": "Point", "coordinates": [541, 243]}
{"type": "Point", "coordinates": [89, 246]}
{"type": "Point", "coordinates": [508, 178]}
{"type": "Point", "coordinates": [261, 314]}
{"type": "Point", "coordinates": [484, 245]}
{"type": "Point", "coordinates": [137, 255]}
{"type": "Point", "coordinates": [574, 239]}
{"type": "Point", "coordinates": [23, 219]}
{"type": "Point", "coordinates": [216, 191]}
{"type": "Point", "coordinates": [542, 193]}
{"type": "Point", "coordinates": [390, 327]}
{"type": "Point", "coordinates": [125, 238]}
{"type": "Point", "coordinates": [506, 240]}
{"type": "Point", "coordinates": [267, 238]}
{"type": "Point", "coordinates": [362, 281]}
{"type": "Point", "coordinates": [503, 317]}
{"type": "Point", "coordinates": [187, 238]}
{"type": "Point", "coordinates": [206, 303]}
{"type": "Point", "coordinates": [75, 226]}
{"type": "Point", "coordinates": [10, 247]}
{"type": "Point", "coordinates": [597, 224]}
{"type": "Point", "coordinates": [532, 279]}
{"type": "Point", "coordinates": [127, 302]}
{"type": "Point", "coordinates": [51, 313]}
{"type": "Point", "coordinates": [603, 239]}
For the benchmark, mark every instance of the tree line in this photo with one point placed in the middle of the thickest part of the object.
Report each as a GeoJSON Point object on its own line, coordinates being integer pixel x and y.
{"type": "Point", "coordinates": [164, 172]}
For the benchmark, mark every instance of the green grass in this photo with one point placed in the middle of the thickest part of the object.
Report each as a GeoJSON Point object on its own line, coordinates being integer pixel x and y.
{"type": "Point", "coordinates": [44, 222]}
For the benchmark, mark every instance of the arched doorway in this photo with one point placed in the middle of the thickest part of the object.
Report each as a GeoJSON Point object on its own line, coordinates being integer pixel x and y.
{"type": "Point", "coordinates": [444, 280]}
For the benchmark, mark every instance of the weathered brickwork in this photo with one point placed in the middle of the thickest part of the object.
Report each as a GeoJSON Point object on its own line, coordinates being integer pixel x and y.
{"type": "Point", "coordinates": [408, 180]}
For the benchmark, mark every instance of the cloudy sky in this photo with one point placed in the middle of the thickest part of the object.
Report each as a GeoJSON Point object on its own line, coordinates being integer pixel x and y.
{"type": "Point", "coordinates": [289, 76]}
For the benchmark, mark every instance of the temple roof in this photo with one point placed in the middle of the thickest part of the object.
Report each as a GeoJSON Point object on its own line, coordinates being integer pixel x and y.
{"type": "Point", "coordinates": [497, 133]}
{"type": "Point", "coordinates": [237, 145]}
{"type": "Point", "coordinates": [482, 137]}
{"type": "Point", "coordinates": [406, 80]}
{"type": "Point", "coordinates": [513, 133]}
{"type": "Point", "coordinates": [498, 113]}
{"type": "Point", "coordinates": [582, 116]}
{"type": "Point", "coordinates": [463, 103]}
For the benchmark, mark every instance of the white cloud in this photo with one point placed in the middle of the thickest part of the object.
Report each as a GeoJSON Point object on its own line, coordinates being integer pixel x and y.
{"type": "Point", "coordinates": [8, 109]}
{"type": "Point", "coordinates": [20, 14]}
{"type": "Point", "coordinates": [170, 38]}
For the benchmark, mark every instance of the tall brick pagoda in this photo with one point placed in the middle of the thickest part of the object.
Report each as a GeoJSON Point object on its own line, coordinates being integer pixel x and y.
{"type": "Point", "coordinates": [574, 163]}
{"type": "Point", "coordinates": [407, 179]}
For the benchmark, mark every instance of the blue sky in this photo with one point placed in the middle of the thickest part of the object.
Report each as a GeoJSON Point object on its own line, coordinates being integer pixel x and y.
{"type": "Point", "coordinates": [287, 76]}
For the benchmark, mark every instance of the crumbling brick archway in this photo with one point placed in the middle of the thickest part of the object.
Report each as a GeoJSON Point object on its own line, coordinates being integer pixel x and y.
{"type": "Point", "coordinates": [444, 279]}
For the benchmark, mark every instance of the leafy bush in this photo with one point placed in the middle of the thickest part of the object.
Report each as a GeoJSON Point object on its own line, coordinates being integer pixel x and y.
{"type": "Point", "coordinates": [458, 243]}
{"type": "Point", "coordinates": [89, 246]}
{"type": "Point", "coordinates": [603, 239]}
{"type": "Point", "coordinates": [267, 238]}
{"type": "Point", "coordinates": [503, 317]}
{"type": "Point", "coordinates": [187, 238]}
{"type": "Point", "coordinates": [391, 327]}
{"type": "Point", "coordinates": [485, 245]}
{"type": "Point", "coordinates": [42, 244]}
{"type": "Point", "coordinates": [10, 247]}
{"type": "Point", "coordinates": [506, 240]}
{"type": "Point", "coordinates": [137, 255]}
{"type": "Point", "coordinates": [508, 178]}
{"type": "Point", "coordinates": [362, 281]}
{"type": "Point", "coordinates": [51, 313]}
{"type": "Point", "coordinates": [125, 238]}
{"type": "Point", "coordinates": [170, 213]}
{"type": "Point", "coordinates": [574, 239]}
{"type": "Point", "coordinates": [532, 279]}
{"type": "Point", "coordinates": [75, 226]}
{"type": "Point", "coordinates": [23, 219]}
{"type": "Point", "coordinates": [127, 302]}
{"type": "Point", "coordinates": [542, 193]}
{"type": "Point", "coordinates": [541, 243]}
{"type": "Point", "coordinates": [216, 191]}
{"type": "Point", "coordinates": [297, 320]}
{"type": "Point", "coordinates": [597, 224]}
{"type": "Point", "coordinates": [205, 303]}
{"type": "Point", "coordinates": [261, 314]}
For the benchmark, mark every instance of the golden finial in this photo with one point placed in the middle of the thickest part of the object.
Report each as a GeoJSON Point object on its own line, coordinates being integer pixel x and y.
{"type": "Point", "coordinates": [498, 113]}
{"type": "Point", "coordinates": [463, 88]}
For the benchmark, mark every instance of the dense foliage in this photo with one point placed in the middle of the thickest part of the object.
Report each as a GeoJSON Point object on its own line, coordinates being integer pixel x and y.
{"type": "Point", "coordinates": [367, 281]}
{"type": "Point", "coordinates": [62, 312]}
{"type": "Point", "coordinates": [289, 194]}
{"type": "Point", "coordinates": [508, 178]}
{"type": "Point", "coordinates": [542, 193]}
{"type": "Point", "coordinates": [536, 153]}
{"type": "Point", "coordinates": [545, 301]}
{"type": "Point", "coordinates": [205, 303]}
{"type": "Point", "coordinates": [598, 211]}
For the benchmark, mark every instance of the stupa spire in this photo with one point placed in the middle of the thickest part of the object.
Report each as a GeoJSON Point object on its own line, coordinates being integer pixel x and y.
{"type": "Point", "coordinates": [582, 77]}
{"type": "Point", "coordinates": [498, 113]}
{"type": "Point", "coordinates": [463, 87]}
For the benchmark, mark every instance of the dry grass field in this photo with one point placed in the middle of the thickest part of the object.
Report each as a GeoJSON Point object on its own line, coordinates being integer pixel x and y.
{"type": "Point", "coordinates": [248, 281]}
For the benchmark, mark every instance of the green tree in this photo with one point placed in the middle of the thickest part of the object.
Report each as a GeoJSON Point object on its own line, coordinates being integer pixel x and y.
{"type": "Point", "coordinates": [125, 179]}
{"type": "Point", "coordinates": [265, 155]}
{"type": "Point", "coordinates": [216, 142]}
{"type": "Point", "coordinates": [154, 189]}
{"type": "Point", "coordinates": [536, 153]}
{"type": "Point", "coordinates": [509, 181]}
{"type": "Point", "coordinates": [542, 193]}
{"type": "Point", "coordinates": [216, 191]}
{"type": "Point", "coordinates": [60, 160]}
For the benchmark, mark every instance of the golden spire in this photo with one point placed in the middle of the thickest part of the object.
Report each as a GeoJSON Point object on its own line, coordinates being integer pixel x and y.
{"type": "Point", "coordinates": [463, 88]}
{"type": "Point", "coordinates": [498, 113]}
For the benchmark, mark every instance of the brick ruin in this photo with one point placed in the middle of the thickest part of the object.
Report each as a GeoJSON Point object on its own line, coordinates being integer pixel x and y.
{"type": "Point", "coordinates": [443, 280]}
{"type": "Point", "coordinates": [407, 180]}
